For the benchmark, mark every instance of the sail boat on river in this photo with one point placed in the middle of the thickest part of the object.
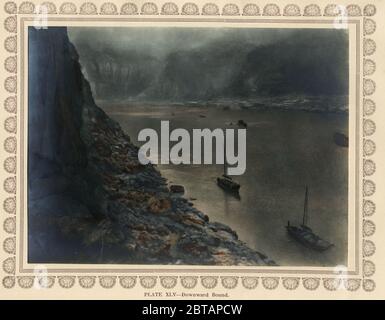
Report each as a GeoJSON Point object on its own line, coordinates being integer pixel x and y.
{"type": "Point", "coordinates": [304, 234]}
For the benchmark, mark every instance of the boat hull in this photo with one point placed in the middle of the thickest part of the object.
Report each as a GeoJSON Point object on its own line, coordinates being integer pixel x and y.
{"type": "Point", "coordinates": [306, 237]}
{"type": "Point", "coordinates": [228, 185]}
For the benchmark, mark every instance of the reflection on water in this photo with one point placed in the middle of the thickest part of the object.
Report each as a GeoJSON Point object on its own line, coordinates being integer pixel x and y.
{"type": "Point", "coordinates": [285, 152]}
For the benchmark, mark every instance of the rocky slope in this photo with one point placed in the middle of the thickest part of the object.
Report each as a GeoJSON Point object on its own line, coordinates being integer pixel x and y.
{"type": "Point", "coordinates": [90, 200]}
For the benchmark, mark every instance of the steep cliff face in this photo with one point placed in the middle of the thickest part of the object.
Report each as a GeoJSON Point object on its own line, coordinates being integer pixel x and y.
{"type": "Point", "coordinates": [56, 98]}
{"type": "Point", "coordinates": [58, 164]}
{"type": "Point", "coordinates": [115, 75]}
{"type": "Point", "coordinates": [89, 199]}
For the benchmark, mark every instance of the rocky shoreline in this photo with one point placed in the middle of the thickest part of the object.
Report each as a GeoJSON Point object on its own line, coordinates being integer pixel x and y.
{"type": "Point", "coordinates": [90, 200]}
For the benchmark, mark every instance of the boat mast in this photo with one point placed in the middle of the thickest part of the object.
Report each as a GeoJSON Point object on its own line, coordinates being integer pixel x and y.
{"type": "Point", "coordinates": [304, 221]}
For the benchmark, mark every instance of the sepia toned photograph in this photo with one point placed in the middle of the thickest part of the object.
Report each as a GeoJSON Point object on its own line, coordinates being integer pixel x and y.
{"type": "Point", "coordinates": [248, 159]}
{"type": "Point", "coordinates": [192, 151]}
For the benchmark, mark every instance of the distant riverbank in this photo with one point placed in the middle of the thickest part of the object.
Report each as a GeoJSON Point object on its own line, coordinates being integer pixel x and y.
{"type": "Point", "coordinates": [319, 104]}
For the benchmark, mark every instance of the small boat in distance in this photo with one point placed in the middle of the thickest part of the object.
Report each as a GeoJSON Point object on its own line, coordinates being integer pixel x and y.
{"type": "Point", "coordinates": [304, 234]}
{"type": "Point", "coordinates": [242, 123]}
{"type": "Point", "coordinates": [226, 182]}
{"type": "Point", "coordinates": [340, 139]}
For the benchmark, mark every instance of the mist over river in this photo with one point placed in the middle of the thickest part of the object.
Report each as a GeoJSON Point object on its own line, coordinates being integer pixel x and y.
{"type": "Point", "coordinates": [286, 150]}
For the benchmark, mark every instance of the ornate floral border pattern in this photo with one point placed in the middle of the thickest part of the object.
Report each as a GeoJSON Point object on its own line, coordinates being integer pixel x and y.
{"type": "Point", "coordinates": [11, 279]}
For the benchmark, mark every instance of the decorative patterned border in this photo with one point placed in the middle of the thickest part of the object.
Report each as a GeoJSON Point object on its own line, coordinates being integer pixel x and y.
{"type": "Point", "coordinates": [369, 166]}
{"type": "Point", "coordinates": [188, 8]}
{"type": "Point", "coordinates": [188, 282]}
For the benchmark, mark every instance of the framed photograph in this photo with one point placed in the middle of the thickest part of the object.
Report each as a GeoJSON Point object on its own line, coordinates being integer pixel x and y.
{"type": "Point", "coordinates": [192, 150]}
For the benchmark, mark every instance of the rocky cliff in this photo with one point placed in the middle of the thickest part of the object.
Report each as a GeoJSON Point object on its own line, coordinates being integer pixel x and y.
{"type": "Point", "coordinates": [89, 199]}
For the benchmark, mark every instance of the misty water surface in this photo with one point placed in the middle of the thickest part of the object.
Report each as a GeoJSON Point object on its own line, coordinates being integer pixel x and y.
{"type": "Point", "coordinates": [285, 152]}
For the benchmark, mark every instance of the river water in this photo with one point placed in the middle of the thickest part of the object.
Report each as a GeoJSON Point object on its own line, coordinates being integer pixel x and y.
{"type": "Point", "coordinates": [286, 150]}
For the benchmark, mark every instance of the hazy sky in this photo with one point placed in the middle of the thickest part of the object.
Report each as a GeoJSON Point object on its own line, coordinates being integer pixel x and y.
{"type": "Point", "coordinates": [163, 40]}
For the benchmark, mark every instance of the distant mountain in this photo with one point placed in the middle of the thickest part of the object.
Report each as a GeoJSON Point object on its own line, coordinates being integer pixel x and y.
{"type": "Point", "coordinates": [203, 73]}
{"type": "Point", "coordinates": [306, 62]}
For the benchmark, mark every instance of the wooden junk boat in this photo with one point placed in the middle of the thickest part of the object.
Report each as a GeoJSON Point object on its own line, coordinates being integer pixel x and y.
{"type": "Point", "coordinates": [226, 182]}
{"type": "Point", "coordinates": [304, 234]}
